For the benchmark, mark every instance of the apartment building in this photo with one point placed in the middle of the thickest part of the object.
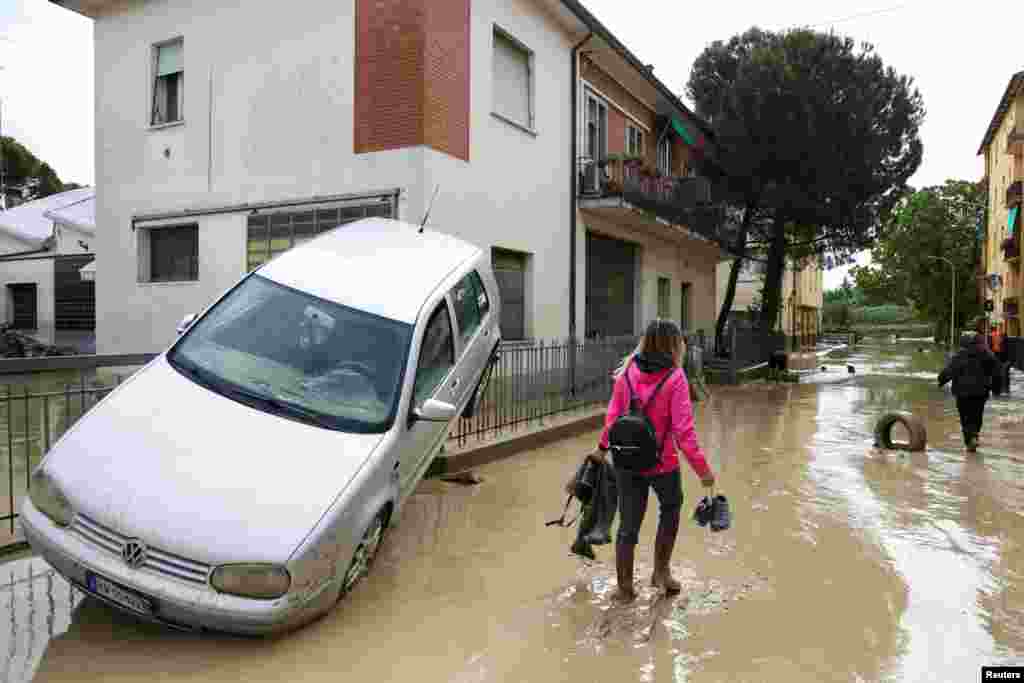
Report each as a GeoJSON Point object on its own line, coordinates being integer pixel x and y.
{"type": "Point", "coordinates": [1003, 150]}
{"type": "Point", "coordinates": [320, 113]}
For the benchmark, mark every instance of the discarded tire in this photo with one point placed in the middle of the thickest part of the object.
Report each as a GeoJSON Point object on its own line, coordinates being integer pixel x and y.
{"type": "Point", "coordinates": [915, 428]}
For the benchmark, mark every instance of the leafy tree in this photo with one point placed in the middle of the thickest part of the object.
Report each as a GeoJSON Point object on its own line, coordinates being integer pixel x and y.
{"type": "Point", "coordinates": [49, 183]}
{"type": "Point", "coordinates": [815, 136]}
{"type": "Point", "coordinates": [21, 165]}
{"type": "Point", "coordinates": [938, 221]}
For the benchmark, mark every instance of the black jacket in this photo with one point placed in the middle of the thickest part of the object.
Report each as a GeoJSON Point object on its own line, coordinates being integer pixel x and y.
{"type": "Point", "coordinates": [973, 370]}
{"type": "Point", "coordinates": [597, 513]}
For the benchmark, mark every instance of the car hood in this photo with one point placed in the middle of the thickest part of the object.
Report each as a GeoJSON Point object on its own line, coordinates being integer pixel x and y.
{"type": "Point", "coordinates": [197, 474]}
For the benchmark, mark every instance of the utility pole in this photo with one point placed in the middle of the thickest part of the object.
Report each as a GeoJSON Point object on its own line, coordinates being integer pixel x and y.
{"type": "Point", "coordinates": [3, 172]}
{"type": "Point", "coordinates": [952, 303]}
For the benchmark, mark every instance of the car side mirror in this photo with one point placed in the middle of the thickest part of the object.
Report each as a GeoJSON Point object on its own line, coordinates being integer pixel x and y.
{"type": "Point", "coordinates": [433, 410]}
{"type": "Point", "coordinates": [186, 322]}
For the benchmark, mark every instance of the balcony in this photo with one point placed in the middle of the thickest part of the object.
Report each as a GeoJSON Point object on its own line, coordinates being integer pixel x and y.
{"type": "Point", "coordinates": [687, 203]}
{"type": "Point", "coordinates": [1015, 141]}
{"type": "Point", "coordinates": [1014, 193]}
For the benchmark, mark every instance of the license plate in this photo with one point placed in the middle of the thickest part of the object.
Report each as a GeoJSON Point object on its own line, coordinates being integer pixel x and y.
{"type": "Point", "coordinates": [121, 596]}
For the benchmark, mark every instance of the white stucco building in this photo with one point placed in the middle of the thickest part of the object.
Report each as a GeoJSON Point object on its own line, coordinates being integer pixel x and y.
{"type": "Point", "coordinates": [43, 245]}
{"type": "Point", "coordinates": [294, 119]}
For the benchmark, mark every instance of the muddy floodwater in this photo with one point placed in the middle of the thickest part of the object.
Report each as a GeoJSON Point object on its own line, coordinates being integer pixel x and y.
{"type": "Point", "coordinates": [845, 563]}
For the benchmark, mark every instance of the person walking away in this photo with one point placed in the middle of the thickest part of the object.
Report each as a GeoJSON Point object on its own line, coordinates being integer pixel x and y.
{"type": "Point", "coordinates": [653, 369]}
{"type": "Point", "coordinates": [997, 342]}
{"type": "Point", "coordinates": [973, 370]}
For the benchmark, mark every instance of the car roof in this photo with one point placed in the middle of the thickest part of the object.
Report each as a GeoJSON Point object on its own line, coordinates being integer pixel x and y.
{"type": "Point", "coordinates": [382, 266]}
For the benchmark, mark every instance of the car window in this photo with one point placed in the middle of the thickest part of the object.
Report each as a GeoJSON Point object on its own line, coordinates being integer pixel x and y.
{"type": "Point", "coordinates": [437, 355]}
{"type": "Point", "coordinates": [482, 302]}
{"type": "Point", "coordinates": [287, 351]}
{"type": "Point", "coordinates": [467, 308]}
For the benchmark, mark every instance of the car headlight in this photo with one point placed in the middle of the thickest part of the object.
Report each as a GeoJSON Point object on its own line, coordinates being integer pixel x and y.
{"type": "Point", "coordinates": [252, 580]}
{"type": "Point", "coordinates": [49, 499]}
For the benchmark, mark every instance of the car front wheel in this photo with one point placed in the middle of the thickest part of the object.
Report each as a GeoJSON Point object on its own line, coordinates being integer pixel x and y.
{"type": "Point", "coordinates": [366, 552]}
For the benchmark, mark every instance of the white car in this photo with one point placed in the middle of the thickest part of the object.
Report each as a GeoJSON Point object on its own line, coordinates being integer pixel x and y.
{"type": "Point", "coordinates": [243, 480]}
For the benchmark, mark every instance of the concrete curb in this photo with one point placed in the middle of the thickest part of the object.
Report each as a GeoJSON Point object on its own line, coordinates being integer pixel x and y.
{"type": "Point", "coordinates": [491, 452]}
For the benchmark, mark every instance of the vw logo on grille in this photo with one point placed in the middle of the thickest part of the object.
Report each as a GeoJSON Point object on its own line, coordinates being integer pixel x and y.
{"type": "Point", "coordinates": [133, 553]}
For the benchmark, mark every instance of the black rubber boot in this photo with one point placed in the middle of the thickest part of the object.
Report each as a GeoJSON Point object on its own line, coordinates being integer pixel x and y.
{"type": "Point", "coordinates": [624, 557]}
{"type": "Point", "coordinates": [664, 544]}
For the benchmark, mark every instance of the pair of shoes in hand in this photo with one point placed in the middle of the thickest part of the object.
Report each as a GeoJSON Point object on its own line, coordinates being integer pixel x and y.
{"type": "Point", "coordinates": [713, 512]}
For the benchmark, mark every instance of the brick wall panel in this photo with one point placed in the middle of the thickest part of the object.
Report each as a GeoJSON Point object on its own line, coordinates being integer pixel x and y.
{"type": "Point", "coordinates": [412, 75]}
{"type": "Point", "coordinates": [446, 78]}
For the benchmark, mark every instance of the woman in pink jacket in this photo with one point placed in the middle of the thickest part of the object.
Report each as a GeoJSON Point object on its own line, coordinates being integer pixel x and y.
{"type": "Point", "coordinates": [660, 352]}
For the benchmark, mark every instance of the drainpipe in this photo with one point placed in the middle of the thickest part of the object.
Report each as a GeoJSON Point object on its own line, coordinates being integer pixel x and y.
{"type": "Point", "coordinates": [574, 115]}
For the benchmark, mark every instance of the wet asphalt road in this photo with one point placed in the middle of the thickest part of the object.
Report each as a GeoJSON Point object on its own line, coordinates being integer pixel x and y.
{"type": "Point", "coordinates": [845, 563]}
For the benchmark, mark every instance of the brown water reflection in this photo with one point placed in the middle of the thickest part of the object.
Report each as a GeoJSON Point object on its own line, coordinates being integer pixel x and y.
{"type": "Point", "coordinates": [845, 563]}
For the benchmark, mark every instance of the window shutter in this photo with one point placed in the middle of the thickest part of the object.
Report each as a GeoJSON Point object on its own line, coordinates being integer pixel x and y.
{"type": "Point", "coordinates": [511, 80]}
{"type": "Point", "coordinates": [170, 59]}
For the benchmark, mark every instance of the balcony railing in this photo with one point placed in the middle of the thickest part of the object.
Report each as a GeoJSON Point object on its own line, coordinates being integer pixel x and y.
{"type": "Point", "coordinates": [686, 202]}
{"type": "Point", "coordinates": [1015, 193]}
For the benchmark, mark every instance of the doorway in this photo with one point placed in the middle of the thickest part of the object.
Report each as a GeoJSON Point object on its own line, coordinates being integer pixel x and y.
{"type": "Point", "coordinates": [23, 306]}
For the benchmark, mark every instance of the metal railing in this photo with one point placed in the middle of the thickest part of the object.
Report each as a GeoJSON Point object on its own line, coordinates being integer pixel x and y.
{"type": "Point", "coordinates": [42, 398]}
{"type": "Point", "coordinates": [534, 382]}
{"type": "Point", "coordinates": [530, 383]}
{"type": "Point", "coordinates": [687, 202]}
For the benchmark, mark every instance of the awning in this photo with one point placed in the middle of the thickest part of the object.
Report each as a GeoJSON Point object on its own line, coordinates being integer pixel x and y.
{"type": "Point", "coordinates": [1013, 219]}
{"type": "Point", "coordinates": [678, 126]}
{"type": "Point", "coordinates": [88, 271]}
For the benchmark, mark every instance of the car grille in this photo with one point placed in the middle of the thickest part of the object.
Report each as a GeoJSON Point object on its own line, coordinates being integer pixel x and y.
{"type": "Point", "coordinates": [159, 561]}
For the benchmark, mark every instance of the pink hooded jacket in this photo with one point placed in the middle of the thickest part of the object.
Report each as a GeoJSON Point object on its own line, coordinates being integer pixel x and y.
{"type": "Point", "coordinates": [671, 414]}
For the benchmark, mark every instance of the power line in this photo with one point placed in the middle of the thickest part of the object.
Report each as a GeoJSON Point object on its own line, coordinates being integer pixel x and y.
{"type": "Point", "coordinates": [860, 15]}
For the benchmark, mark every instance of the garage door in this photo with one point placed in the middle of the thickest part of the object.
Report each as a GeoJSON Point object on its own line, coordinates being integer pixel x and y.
{"type": "Point", "coordinates": [23, 300]}
{"type": "Point", "coordinates": [74, 299]}
{"type": "Point", "coordinates": [269, 234]}
{"type": "Point", "coordinates": [611, 287]}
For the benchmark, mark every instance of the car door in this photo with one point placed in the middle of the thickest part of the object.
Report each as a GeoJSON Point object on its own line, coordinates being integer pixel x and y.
{"type": "Point", "coordinates": [434, 378]}
{"type": "Point", "coordinates": [472, 307]}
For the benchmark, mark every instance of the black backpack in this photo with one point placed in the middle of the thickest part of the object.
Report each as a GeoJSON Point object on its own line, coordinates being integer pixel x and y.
{"type": "Point", "coordinates": [632, 438]}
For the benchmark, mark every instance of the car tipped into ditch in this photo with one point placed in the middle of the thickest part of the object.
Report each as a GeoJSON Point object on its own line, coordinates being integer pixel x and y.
{"type": "Point", "coordinates": [243, 480]}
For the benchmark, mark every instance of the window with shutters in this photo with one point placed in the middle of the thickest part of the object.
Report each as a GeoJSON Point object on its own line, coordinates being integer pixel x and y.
{"type": "Point", "coordinates": [168, 83]}
{"type": "Point", "coordinates": [512, 86]}
{"type": "Point", "coordinates": [634, 141]}
{"type": "Point", "coordinates": [169, 253]}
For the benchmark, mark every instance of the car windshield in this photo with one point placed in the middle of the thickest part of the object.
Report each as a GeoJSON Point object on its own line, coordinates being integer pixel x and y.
{"type": "Point", "coordinates": [295, 355]}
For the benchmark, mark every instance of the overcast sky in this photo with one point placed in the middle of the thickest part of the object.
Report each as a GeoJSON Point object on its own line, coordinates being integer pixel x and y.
{"type": "Point", "coordinates": [961, 56]}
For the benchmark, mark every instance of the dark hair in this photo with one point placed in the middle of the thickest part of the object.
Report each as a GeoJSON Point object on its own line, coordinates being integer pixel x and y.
{"type": "Point", "coordinates": [661, 336]}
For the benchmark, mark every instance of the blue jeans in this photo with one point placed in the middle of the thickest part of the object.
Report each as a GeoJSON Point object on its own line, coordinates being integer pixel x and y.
{"type": "Point", "coordinates": [633, 492]}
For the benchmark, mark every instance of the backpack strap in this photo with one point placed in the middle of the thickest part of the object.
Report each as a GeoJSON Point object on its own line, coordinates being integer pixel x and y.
{"type": "Point", "coordinates": [629, 385]}
{"type": "Point", "coordinates": [658, 388]}
{"type": "Point", "coordinates": [650, 400]}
